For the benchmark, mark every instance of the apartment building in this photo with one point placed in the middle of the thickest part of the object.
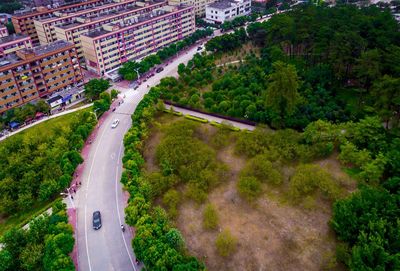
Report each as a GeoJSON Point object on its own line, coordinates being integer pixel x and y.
{"type": "Point", "coordinates": [106, 49]}
{"type": "Point", "coordinates": [24, 22]}
{"type": "Point", "coordinates": [45, 27]}
{"type": "Point", "coordinates": [3, 31]}
{"type": "Point", "coordinates": [29, 74]}
{"type": "Point", "coordinates": [13, 43]}
{"type": "Point", "coordinates": [199, 5]}
{"type": "Point", "coordinates": [82, 25]}
{"type": "Point", "coordinates": [226, 10]}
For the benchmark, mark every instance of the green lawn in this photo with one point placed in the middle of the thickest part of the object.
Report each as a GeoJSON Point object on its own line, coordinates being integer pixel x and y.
{"type": "Point", "coordinates": [22, 218]}
{"type": "Point", "coordinates": [43, 129]}
{"type": "Point", "coordinates": [48, 127]}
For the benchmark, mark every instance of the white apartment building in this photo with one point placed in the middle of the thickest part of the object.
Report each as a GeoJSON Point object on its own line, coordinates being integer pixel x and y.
{"type": "Point", "coordinates": [226, 10]}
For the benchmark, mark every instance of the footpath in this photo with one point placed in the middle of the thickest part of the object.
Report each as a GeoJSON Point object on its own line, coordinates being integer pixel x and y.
{"type": "Point", "coordinates": [210, 117]}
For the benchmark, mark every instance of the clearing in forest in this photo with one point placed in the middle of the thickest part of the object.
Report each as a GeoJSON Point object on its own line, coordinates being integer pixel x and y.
{"type": "Point", "coordinates": [249, 201]}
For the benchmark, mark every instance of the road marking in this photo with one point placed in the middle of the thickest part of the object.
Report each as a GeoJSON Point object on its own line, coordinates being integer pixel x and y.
{"type": "Point", "coordinates": [116, 202]}
{"type": "Point", "coordinates": [87, 188]}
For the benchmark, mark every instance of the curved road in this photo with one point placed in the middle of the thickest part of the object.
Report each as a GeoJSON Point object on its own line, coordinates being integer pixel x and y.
{"type": "Point", "coordinates": [109, 248]}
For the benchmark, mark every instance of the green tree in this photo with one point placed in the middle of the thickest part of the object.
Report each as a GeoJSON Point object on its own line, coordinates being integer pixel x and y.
{"type": "Point", "coordinates": [282, 93]}
{"type": "Point", "coordinates": [386, 94]}
{"type": "Point", "coordinates": [94, 87]}
{"type": "Point", "coordinates": [42, 106]}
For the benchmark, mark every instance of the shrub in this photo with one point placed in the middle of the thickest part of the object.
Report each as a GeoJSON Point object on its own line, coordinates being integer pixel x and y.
{"type": "Point", "coordinates": [262, 169]}
{"type": "Point", "coordinates": [309, 179]}
{"type": "Point", "coordinates": [171, 199]}
{"type": "Point", "coordinates": [249, 188]}
{"type": "Point", "coordinates": [190, 117]}
{"type": "Point", "coordinates": [225, 243]}
{"type": "Point", "coordinates": [210, 217]}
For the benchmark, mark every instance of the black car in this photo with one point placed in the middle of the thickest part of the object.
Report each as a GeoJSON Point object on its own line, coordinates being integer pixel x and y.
{"type": "Point", "coordinates": [96, 220]}
{"type": "Point", "coordinates": [159, 69]}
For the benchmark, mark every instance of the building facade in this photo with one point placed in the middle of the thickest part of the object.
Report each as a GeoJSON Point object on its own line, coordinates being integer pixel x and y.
{"type": "Point", "coordinates": [45, 27]}
{"type": "Point", "coordinates": [29, 74]}
{"type": "Point", "coordinates": [3, 31]}
{"type": "Point", "coordinates": [13, 43]}
{"type": "Point", "coordinates": [227, 10]}
{"type": "Point", "coordinates": [199, 5]}
{"type": "Point", "coordinates": [24, 22]}
{"type": "Point", "coordinates": [107, 49]}
{"type": "Point", "coordinates": [72, 31]}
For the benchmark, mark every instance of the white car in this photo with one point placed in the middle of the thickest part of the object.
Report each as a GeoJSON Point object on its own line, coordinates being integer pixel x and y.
{"type": "Point", "coordinates": [115, 123]}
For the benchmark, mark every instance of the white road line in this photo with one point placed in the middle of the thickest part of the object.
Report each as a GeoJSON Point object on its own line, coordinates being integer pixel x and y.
{"type": "Point", "coordinates": [116, 202]}
{"type": "Point", "coordinates": [87, 188]}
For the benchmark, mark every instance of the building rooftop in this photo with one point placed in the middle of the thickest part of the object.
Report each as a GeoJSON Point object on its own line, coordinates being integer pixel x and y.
{"type": "Point", "coordinates": [223, 4]}
{"type": "Point", "coordinates": [44, 49]}
{"type": "Point", "coordinates": [12, 37]}
{"type": "Point", "coordinates": [136, 20]}
{"type": "Point", "coordinates": [82, 11]}
{"type": "Point", "coordinates": [9, 59]}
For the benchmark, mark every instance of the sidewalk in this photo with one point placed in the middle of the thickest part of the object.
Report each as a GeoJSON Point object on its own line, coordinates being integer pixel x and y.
{"type": "Point", "coordinates": [210, 117]}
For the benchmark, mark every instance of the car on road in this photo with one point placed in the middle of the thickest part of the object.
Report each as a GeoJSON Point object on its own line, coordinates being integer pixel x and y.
{"type": "Point", "coordinates": [134, 85]}
{"type": "Point", "coordinates": [160, 69]}
{"type": "Point", "coordinates": [96, 220]}
{"type": "Point", "coordinates": [199, 48]}
{"type": "Point", "coordinates": [115, 123]}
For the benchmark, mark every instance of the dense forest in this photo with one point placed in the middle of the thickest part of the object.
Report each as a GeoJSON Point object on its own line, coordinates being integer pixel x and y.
{"type": "Point", "coordinates": [340, 64]}
{"type": "Point", "coordinates": [45, 245]}
{"type": "Point", "coordinates": [332, 73]}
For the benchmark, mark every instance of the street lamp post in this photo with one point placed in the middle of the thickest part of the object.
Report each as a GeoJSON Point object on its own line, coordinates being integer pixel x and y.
{"type": "Point", "coordinates": [94, 113]}
{"type": "Point", "coordinates": [69, 196]}
{"type": "Point", "coordinates": [138, 75]}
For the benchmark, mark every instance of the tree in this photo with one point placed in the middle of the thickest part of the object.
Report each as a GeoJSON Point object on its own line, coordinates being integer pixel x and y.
{"type": "Point", "coordinates": [94, 87]}
{"type": "Point", "coordinates": [210, 217]}
{"type": "Point", "coordinates": [282, 93]}
{"type": "Point", "coordinates": [386, 94]}
{"type": "Point", "coordinates": [226, 243]}
{"type": "Point", "coordinates": [367, 67]}
{"type": "Point", "coordinates": [42, 106]}
{"type": "Point", "coordinates": [114, 94]}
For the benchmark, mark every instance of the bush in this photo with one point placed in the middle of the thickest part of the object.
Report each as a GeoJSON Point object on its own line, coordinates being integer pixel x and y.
{"type": "Point", "coordinates": [171, 199]}
{"type": "Point", "coordinates": [225, 243]}
{"type": "Point", "coordinates": [309, 179]}
{"type": "Point", "coordinates": [210, 217]}
{"type": "Point", "coordinates": [261, 168]}
{"type": "Point", "coordinates": [190, 117]}
{"type": "Point", "coordinates": [249, 188]}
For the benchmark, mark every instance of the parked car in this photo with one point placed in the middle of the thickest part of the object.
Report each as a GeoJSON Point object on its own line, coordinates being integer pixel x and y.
{"type": "Point", "coordinates": [96, 220]}
{"type": "Point", "coordinates": [115, 123]}
{"type": "Point", "coordinates": [160, 69]}
{"type": "Point", "coordinates": [199, 48]}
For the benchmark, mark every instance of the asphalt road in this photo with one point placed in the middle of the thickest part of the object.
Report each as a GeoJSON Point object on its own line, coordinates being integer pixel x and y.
{"type": "Point", "coordinates": [109, 248]}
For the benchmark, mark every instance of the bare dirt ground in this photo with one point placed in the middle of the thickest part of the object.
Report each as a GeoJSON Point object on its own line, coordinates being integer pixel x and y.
{"type": "Point", "coordinates": [271, 235]}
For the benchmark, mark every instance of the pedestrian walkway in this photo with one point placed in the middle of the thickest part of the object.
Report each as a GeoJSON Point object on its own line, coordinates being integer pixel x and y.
{"type": "Point", "coordinates": [211, 118]}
